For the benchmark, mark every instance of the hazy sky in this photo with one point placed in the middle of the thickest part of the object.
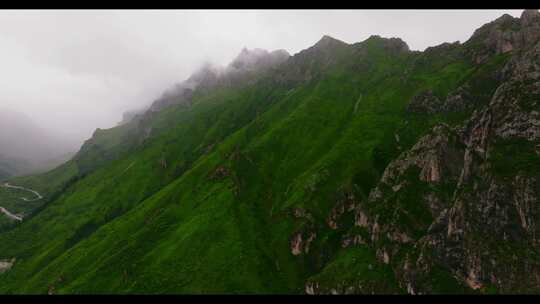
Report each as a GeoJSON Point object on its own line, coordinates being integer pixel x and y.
{"type": "Point", "coordinates": [74, 71]}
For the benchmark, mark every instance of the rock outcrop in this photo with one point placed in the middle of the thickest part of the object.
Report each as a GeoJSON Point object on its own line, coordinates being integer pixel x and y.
{"type": "Point", "coordinates": [6, 265]}
{"type": "Point", "coordinates": [483, 220]}
{"type": "Point", "coordinates": [505, 34]}
{"type": "Point", "coordinates": [460, 209]}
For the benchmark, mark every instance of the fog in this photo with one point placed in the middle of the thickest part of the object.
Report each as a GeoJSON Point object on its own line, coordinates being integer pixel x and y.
{"type": "Point", "coordinates": [71, 72]}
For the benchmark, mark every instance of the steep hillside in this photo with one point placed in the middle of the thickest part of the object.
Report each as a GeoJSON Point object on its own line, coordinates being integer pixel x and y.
{"type": "Point", "coordinates": [345, 168]}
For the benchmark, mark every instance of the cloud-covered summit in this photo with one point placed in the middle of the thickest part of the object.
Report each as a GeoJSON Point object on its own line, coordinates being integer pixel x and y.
{"type": "Point", "coordinates": [75, 71]}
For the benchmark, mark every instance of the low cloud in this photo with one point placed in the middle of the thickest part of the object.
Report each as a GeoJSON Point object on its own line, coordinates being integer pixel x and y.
{"type": "Point", "coordinates": [74, 71]}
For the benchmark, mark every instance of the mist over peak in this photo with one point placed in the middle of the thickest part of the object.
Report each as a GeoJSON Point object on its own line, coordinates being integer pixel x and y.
{"type": "Point", "coordinates": [257, 58]}
{"type": "Point", "coordinates": [75, 71]}
{"type": "Point", "coordinates": [357, 165]}
{"type": "Point", "coordinates": [209, 75]}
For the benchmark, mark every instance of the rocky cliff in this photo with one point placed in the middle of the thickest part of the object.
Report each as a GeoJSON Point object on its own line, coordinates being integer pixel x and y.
{"type": "Point", "coordinates": [459, 211]}
{"type": "Point", "coordinates": [350, 169]}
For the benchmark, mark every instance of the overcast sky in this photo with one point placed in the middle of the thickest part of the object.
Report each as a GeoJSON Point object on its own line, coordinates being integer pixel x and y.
{"type": "Point", "coordinates": [75, 71]}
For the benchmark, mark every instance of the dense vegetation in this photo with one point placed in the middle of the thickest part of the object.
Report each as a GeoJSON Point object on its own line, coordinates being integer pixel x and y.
{"type": "Point", "coordinates": [207, 198]}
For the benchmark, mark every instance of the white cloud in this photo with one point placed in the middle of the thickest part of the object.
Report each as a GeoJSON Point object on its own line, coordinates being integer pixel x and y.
{"type": "Point", "coordinates": [74, 71]}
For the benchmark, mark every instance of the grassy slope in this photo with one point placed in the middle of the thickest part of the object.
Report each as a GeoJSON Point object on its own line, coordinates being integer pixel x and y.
{"type": "Point", "coordinates": [135, 225]}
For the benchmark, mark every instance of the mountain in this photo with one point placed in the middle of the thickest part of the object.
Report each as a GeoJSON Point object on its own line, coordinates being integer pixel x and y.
{"type": "Point", "coordinates": [26, 147]}
{"type": "Point", "coordinates": [239, 72]}
{"type": "Point", "coordinates": [343, 169]}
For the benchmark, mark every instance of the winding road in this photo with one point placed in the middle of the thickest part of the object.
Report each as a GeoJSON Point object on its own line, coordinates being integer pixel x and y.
{"type": "Point", "coordinates": [38, 196]}
{"type": "Point", "coordinates": [11, 215]}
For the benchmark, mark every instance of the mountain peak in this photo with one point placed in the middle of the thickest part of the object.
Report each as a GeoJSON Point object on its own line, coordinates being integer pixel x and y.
{"type": "Point", "coordinates": [390, 43]}
{"type": "Point", "coordinates": [530, 16]}
{"type": "Point", "coordinates": [327, 41]}
{"type": "Point", "coordinates": [327, 37]}
{"type": "Point", "coordinates": [255, 59]}
{"type": "Point", "coordinates": [505, 34]}
{"type": "Point", "coordinates": [504, 18]}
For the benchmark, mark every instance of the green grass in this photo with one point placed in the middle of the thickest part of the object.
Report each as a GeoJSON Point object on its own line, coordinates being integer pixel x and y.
{"type": "Point", "coordinates": [134, 214]}
{"type": "Point", "coordinates": [357, 268]}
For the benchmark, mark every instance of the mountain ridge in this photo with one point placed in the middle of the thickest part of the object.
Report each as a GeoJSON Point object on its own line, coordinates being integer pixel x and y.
{"type": "Point", "coordinates": [350, 168]}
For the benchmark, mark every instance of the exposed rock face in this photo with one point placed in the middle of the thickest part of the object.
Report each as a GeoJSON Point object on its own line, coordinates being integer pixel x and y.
{"type": "Point", "coordinates": [311, 287]}
{"type": "Point", "coordinates": [483, 222]}
{"type": "Point", "coordinates": [432, 154]}
{"type": "Point", "coordinates": [505, 34]}
{"type": "Point", "coordinates": [458, 100]}
{"type": "Point", "coordinates": [6, 265]}
{"type": "Point", "coordinates": [301, 241]}
{"type": "Point", "coordinates": [497, 210]}
{"type": "Point", "coordinates": [460, 209]}
{"type": "Point", "coordinates": [425, 102]}
{"type": "Point", "coordinates": [347, 204]}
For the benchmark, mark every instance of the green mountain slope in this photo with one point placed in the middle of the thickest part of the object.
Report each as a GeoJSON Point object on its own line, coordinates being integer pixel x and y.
{"type": "Point", "coordinates": [262, 186]}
